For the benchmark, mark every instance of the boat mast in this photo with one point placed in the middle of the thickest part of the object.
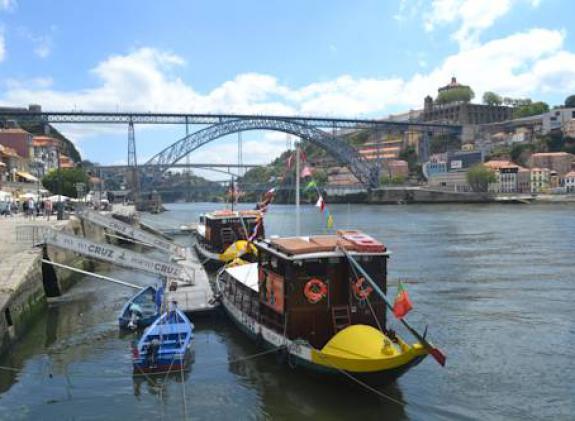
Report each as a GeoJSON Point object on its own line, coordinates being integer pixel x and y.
{"type": "Point", "coordinates": [297, 219]}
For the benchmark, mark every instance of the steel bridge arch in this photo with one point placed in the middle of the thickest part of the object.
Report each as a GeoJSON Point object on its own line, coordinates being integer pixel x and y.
{"type": "Point", "coordinates": [366, 173]}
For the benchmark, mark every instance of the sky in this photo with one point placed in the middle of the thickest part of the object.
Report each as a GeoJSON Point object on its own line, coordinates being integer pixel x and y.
{"type": "Point", "coordinates": [366, 58]}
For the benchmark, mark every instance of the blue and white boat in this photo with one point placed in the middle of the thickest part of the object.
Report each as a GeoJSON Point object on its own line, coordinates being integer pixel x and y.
{"type": "Point", "coordinates": [141, 310]}
{"type": "Point", "coordinates": [166, 345]}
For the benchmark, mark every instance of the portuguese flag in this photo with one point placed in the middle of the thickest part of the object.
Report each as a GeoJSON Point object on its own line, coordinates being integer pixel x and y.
{"type": "Point", "coordinates": [402, 303]}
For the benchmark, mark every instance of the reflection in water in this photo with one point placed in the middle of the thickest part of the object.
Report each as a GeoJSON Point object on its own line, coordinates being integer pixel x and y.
{"type": "Point", "coordinates": [494, 284]}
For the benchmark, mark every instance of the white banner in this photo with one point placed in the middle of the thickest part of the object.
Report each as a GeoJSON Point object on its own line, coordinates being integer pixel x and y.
{"type": "Point", "coordinates": [113, 254]}
{"type": "Point", "coordinates": [131, 232]}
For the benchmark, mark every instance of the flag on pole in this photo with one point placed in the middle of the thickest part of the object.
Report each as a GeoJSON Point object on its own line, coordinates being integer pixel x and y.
{"type": "Point", "coordinates": [402, 304]}
{"type": "Point", "coordinates": [309, 185]}
{"type": "Point", "coordinates": [306, 172]}
{"type": "Point", "coordinates": [329, 223]}
{"type": "Point", "coordinates": [320, 204]}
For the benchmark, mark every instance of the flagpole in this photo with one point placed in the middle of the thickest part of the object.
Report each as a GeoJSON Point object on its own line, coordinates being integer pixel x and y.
{"type": "Point", "coordinates": [435, 352]}
{"type": "Point", "coordinates": [297, 220]}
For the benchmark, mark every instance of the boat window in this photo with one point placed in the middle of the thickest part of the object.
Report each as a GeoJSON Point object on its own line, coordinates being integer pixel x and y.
{"type": "Point", "coordinates": [202, 219]}
{"type": "Point", "coordinates": [333, 260]}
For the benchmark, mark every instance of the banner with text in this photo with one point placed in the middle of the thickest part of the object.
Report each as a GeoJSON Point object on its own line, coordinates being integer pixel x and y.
{"type": "Point", "coordinates": [113, 254]}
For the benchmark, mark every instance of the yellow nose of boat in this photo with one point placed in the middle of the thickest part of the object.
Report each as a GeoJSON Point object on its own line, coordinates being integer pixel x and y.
{"type": "Point", "coordinates": [362, 348]}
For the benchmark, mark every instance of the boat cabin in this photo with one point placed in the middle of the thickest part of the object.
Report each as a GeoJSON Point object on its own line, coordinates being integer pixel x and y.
{"type": "Point", "coordinates": [220, 229]}
{"type": "Point", "coordinates": [306, 288]}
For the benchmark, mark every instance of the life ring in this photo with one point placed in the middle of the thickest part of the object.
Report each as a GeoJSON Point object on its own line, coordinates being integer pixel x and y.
{"type": "Point", "coordinates": [359, 291]}
{"type": "Point", "coordinates": [315, 290]}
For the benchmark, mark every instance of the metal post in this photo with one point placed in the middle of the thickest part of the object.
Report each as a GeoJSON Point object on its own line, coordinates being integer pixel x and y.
{"type": "Point", "coordinates": [60, 212]}
{"type": "Point", "coordinates": [297, 216]}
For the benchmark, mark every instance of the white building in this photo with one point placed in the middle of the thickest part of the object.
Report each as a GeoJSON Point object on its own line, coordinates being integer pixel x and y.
{"type": "Point", "coordinates": [557, 119]}
{"type": "Point", "coordinates": [569, 182]}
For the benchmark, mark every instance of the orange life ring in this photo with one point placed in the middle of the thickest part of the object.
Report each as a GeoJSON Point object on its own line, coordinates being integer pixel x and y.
{"type": "Point", "coordinates": [315, 290]}
{"type": "Point", "coordinates": [360, 292]}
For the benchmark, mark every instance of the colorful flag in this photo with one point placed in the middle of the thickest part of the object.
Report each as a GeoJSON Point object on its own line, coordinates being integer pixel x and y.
{"type": "Point", "coordinates": [402, 303]}
{"type": "Point", "coordinates": [329, 223]}
{"type": "Point", "coordinates": [309, 185]}
{"type": "Point", "coordinates": [320, 203]}
{"type": "Point", "coordinates": [306, 172]}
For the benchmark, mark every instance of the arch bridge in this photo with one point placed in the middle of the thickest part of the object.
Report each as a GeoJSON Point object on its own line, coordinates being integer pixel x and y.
{"type": "Point", "coordinates": [319, 131]}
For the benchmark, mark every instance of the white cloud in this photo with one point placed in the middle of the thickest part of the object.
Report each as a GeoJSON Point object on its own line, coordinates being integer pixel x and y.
{"type": "Point", "coordinates": [147, 80]}
{"type": "Point", "coordinates": [473, 16]}
{"type": "Point", "coordinates": [7, 5]}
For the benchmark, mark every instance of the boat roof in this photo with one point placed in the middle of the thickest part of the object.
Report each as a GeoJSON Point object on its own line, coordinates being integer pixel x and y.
{"type": "Point", "coordinates": [246, 274]}
{"type": "Point", "coordinates": [227, 214]}
{"type": "Point", "coordinates": [313, 247]}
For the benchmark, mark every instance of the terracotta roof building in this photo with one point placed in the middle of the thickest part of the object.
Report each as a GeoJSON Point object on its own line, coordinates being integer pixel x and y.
{"type": "Point", "coordinates": [556, 161]}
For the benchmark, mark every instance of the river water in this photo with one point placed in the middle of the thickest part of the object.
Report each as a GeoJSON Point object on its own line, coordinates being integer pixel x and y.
{"type": "Point", "coordinates": [494, 283]}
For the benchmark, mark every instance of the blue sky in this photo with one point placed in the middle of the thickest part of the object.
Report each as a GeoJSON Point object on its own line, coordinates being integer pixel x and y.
{"type": "Point", "coordinates": [361, 58]}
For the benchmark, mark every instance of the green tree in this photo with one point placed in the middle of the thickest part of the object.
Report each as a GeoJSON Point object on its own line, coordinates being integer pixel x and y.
{"type": "Point", "coordinates": [530, 109]}
{"type": "Point", "coordinates": [570, 101]}
{"type": "Point", "coordinates": [479, 177]}
{"type": "Point", "coordinates": [69, 178]}
{"type": "Point", "coordinates": [458, 94]}
{"type": "Point", "coordinates": [410, 156]}
{"type": "Point", "coordinates": [491, 98]}
{"type": "Point", "coordinates": [520, 153]}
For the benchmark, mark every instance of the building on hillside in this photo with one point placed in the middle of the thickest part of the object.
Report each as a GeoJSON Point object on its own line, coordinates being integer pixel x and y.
{"type": "Point", "coordinates": [523, 180]}
{"type": "Point", "coordinates": [556, 161]}
{"type": "Point", "coordinates": [341, 176]}
{"type": "Point", "coordinates": [15, 167]}
{"type": "Point", "coordinates": [568, 182]}
{"type": "Point", "coordinates": [554, 180]}
{"type": "Point", "coordinates": [45, 154]}
{"type": "Point", "coordinates": [17, 139]}
{"type": "Point", "coordinates": [66, 162]}
{"type": "Point", "coordinates": [462, 160]}
{"type": "Point", "coordinates": [569, 129]}
{"type": "Point", "coordinates": [450, 181]}
{"type": "Point", "coordinates": [437, 164]}
{"type": "Point", "coordinates": [462, 112]}
{"type": "Point", "coordinates": [557, 119]}
{"type": "Point", "coordinates": [539, 180]}
{"type": "Point", "coordinates": [507, 174]}
{"type": "Point", "coordinates": [395, 168]}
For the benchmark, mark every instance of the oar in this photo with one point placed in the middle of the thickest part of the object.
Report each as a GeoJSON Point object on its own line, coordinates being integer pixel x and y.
{"type": "Point", "coordinates": [436, 353]}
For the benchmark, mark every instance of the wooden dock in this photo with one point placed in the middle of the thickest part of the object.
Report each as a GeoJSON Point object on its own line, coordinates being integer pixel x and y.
{"type": "Point", "coordinates": [197, 295]}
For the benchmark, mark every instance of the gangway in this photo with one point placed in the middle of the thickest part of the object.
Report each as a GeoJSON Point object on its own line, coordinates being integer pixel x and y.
{"type": "Point", "coordinates": [130, 231]}
{"type": "Point", "coordinates": [186, 279]}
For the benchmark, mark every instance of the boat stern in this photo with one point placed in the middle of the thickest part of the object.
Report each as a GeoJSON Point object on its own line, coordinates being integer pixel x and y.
{"type": "Point", "coordinates": [363, 349]}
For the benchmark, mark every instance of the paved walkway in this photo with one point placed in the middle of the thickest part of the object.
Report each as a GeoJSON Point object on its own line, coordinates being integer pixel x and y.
{"type": "Point", "coordinates": [9, 243]}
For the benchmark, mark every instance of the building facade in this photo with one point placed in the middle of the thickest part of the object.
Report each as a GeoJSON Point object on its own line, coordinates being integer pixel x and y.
{"type": "Point", "coordinates": [539, 180]}
{"type": "Point", "coordinates": [462, 112]}
{"type": "Point", "coordinates": [569, 182]}
{"type": "Point", "coordinates": [17, 139]}
{"type": "Point", "coordinates": [555, 161]}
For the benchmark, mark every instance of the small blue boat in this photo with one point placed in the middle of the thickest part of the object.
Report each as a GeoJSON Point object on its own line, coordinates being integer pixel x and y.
{"type": "Point", "coordinates": [141, 310]}
{"type": "Point", "coordinates": [166, 345]}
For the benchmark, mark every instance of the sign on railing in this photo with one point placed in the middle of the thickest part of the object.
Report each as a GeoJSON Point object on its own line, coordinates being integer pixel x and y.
{"type": "Point", "coordinates": [131, 232]}
{"type": "Point", "coordinates": [113, 254]}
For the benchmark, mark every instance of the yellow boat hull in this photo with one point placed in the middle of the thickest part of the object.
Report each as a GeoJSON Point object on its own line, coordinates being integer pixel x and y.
{"type": "Point", "coordinates": [364, 349]}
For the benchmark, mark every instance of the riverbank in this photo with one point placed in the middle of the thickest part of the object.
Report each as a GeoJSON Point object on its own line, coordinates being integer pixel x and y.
{"type": "Point", "coordinates": [423, 195]}
{"type": "Point", "coordinates": [26, 283]}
